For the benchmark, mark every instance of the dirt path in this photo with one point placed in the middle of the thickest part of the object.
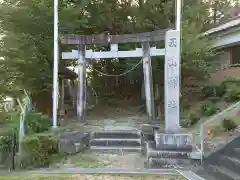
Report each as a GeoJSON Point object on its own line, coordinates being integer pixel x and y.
{"type": "Point", "coordinates": [127, 160]}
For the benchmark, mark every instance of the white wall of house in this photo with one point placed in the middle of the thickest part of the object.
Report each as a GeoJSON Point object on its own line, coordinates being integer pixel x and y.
{"type": "Point", "coordinates": [226, 40]}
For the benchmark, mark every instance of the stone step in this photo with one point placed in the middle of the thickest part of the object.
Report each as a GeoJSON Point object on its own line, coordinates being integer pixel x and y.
{"type": "Point", "coordinates": [150, 128]}
{"type": "Point", "coordinates": [231, 163]}
{"type": "Point", "coordinates": [222, 173]}
{"type": "Point", "coordinates": [156, 163]}
{"type": "Point", "coordinates": [148, 137]}
{"type": "Point", "coordinates": [116, 142]}
{"type": "Point", "coordinates": [117, 135]}
{"type": "Point", "coordinates": [116, 149]}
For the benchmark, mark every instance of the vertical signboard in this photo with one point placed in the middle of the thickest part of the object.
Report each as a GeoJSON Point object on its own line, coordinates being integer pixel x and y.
{"type": "Point", "coordinates": [171, 80]}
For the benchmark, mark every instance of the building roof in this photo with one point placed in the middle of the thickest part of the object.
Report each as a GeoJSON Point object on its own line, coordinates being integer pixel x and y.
{"type": "Point", "coordinates": [224, 25]}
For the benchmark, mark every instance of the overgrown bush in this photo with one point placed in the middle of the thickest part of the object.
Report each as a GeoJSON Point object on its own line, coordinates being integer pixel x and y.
{"type": "Point", "coordinates": [8, 134]}
{"type": "Point", "coordinates": [39, 150]}
{"type": "Point", "coordinates": [194, 118]}
{"type": "Point", "coordinates": [190, 120]}
{"type": "Point", "coordinates": [208, 109]}
{"type": "Point", "coordinates": [207, 91]}
{"type": "Point", "coordinates": [214, 91]}
{"type": "Point", "coordinates": [221, 90]}
{"type": "Point", "coordinates": [229, 124]}
{"type": "Point", "coordinates": [231, 80]}
{"type": "Point", "coordinates": [36, 123]}
{"type": "Point", "coordinates": [8, 139]}
{"type": "Point", "coordinates": [233, 93]}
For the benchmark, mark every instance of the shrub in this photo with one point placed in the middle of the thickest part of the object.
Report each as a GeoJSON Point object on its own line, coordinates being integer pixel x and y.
{"type": "Point", "coordinates": [39, 150]}
{"type": "Point", "coordinates": [233, 93]}
{"type": "Point", "coordinates": [8, 134]}
{"type": "Point", "coordinates": [194, 118]}
{"type": "Point", "coordinates": [36, 123]}
{"type": "Point", "coordinates": [6, 145]}
{"type": "Point", "coordinates": [214, 91]}
{"type": "Point", "coordinates": [221, 90]}
{"type": "Point", "coordinates": [185, 123]}
{"type": "Point", "coordinates": [229, 124]}
{"type": "Point", "coordinates": [232, 80]}
{"type": "Point", "coordinates": [208, 91]}
{"type": "Point", "coordinates": [191, 120]}
{"type": "Point", "coordinates": [209, 109]}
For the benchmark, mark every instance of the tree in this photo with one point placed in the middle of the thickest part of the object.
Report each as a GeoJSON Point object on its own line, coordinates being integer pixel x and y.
{"type": "Point", "coordinates": [220, 8]}
{"type": "Point", "coordinates": [27, 46]}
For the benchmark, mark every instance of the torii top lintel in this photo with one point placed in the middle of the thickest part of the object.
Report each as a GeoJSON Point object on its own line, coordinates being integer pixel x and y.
{"type": "Point", "coordinates": [106, 38]}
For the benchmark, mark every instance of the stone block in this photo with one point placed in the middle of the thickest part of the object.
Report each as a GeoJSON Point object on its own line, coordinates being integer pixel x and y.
{"type": "Point", "coordinates": [72, 143]}
{"type": "Point", "coordinates": [167, 141]}
{"type": "Point", "coordinates": [150, 128]}
{"type": "Point", "coordinates": [153, 152]}
{"type": "Point", "coordinates": [168, 163]}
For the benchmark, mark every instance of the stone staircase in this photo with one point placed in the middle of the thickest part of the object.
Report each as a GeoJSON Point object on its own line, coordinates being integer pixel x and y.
{"type": "Point", "coordinates": [116, 141]}
{"type": "Point", "coordinates": [157, 154]}
{"type": "Point", "coordinates": [223, 164]}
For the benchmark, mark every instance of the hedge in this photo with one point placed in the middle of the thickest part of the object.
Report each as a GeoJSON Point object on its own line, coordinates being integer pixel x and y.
{"type": "Point", "coordinates": [39, 150]}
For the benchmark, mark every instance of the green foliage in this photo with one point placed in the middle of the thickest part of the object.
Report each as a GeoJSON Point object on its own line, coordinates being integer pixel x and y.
{"type": "Point", "coordinates": [207, 91]}
{"type": "Point", "coordinates": [220, 9]}
{"type": "Point", "coordinates": [27, 45]}
{"type": "Point", "coordinates": [232, 90]}
{"type": "Point", "coordinates": [39, 149]}
{"type": "Point", "coordinates": [8, 134]}
{"type": "Point", "coordinates": [191, 120]}
{"type": "Point", "coordinates": [221, 90]}
{"type": "Point", "coordinates": [36, 123]}
{"type": "Point", "coordinates": [6, 140]}
{"type": "Point", "coordinates": [229, 89]}
{"type": "Point", "coordinates": [232, 80]}
{"type": "Point", "coordinates": [214, 91]}
{"type": "Point", "coordinates": [233, 93]}
{"type": "Point", "coordinates": [194, 118]}
{"type": "Point", "coordinates": [235, 65]}
{"type": "Point", "coordinates": [28, 52]}
{"type": "Point", "coordinates": [208, 108]}
{"type": "Point", "coordinates": [229, 124]}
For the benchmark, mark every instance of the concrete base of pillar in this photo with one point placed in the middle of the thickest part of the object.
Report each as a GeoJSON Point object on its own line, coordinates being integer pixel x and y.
{"type": "Point", "coordinates": [173, 141]}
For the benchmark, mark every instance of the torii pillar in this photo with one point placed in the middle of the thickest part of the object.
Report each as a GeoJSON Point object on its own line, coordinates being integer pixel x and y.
{"type": "Point", "coordinates": [81, 100]}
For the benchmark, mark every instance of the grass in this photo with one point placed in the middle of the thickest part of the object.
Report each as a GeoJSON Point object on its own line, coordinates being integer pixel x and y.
{"type": "Point", "coordinates": [84, 160]}
{"type": "Point", "coordinates": [90, 177]}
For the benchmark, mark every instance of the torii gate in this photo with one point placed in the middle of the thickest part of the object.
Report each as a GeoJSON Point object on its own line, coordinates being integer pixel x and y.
{"type": "Point", "coordinates": [172, 66]}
